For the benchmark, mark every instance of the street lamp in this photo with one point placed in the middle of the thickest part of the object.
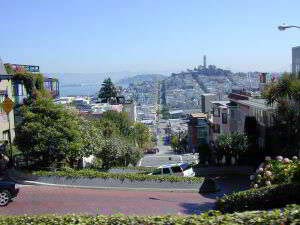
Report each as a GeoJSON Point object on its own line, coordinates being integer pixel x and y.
{"type": "Point", "coordinates": [282, 28]}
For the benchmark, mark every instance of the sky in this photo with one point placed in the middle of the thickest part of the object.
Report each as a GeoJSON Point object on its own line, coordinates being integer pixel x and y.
{"type": "Point", "coordinates": [143, 36]}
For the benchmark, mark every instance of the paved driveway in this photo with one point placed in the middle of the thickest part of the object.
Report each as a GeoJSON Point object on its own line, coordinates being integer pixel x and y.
{"type": "Point", "coordinates": [42, 199]}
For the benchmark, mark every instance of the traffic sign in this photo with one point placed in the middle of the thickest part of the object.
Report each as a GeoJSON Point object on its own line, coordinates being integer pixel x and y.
{"type": "Point", "coordinates": [8, 105]}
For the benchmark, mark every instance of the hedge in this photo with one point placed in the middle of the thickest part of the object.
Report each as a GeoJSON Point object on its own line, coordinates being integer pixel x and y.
{"type": "Point", "coordinates": [290, 215]}
{"type": "Point", "coordinates": [275, 196]}
{"type": "Point", "coordinates": [88, 173]}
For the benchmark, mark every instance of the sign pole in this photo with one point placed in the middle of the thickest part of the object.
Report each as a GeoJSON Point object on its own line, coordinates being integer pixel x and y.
{"type": "Point", "coordinates": [10, 145]}
{"type": "Point", "coordinates": [8, 107]}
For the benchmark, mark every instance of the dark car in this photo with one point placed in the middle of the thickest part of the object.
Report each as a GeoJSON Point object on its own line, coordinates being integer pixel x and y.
{"type": "Point", "coordinates": [152, 150]}
{"type": "Point", "coordinates": [8, 191]}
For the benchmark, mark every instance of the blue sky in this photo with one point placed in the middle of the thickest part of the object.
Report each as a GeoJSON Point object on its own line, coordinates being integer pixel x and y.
{"type": "Point", "coordinates": [97, 36]}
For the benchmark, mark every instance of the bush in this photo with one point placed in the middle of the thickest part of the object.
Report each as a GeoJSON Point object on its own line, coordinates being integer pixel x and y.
{"type": "Point", "coordinates": [88, 173]}
{"type": "Point", "coordinates": [275, 196]}
{"type": "Point", "coordinates": [291, 215]}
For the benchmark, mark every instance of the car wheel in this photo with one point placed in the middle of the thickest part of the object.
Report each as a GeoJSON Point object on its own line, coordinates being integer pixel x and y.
{"type": "Point", "coordinates": [4, 197]}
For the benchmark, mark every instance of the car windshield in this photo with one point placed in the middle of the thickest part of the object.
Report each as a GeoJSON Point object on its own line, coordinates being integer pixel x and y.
{"type": "Point", "coordinates": [176, 169]}
{"type": "Point", "coordinates": [185, 166]}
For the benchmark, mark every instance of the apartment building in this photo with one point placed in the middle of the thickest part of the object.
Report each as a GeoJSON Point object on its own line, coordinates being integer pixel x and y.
{"type": "Point", "coordinates": [198, 131]}
{"type": "Point", "coordinates": [218, 119]}
{"type": "Point", "coordinates": [243, 105]}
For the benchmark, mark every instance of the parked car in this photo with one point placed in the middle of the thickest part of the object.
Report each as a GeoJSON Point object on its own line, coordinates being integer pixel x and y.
{"type": "Point", "coordinates": [179, 169]}
{"type": "Point", "coordinates": [8, 191]}
{"type": "Point", "coordinates": [152, 151]}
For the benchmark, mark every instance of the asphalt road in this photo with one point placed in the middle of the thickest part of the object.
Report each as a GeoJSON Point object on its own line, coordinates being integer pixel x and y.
{"type": "Point", "coordinates": [166, 154]}
{"type": "Point", "coordinates": [42, 199]}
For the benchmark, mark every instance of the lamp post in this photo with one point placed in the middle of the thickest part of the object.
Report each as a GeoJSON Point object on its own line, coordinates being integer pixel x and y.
{"type": "Point", "coordinates": [284, 27]}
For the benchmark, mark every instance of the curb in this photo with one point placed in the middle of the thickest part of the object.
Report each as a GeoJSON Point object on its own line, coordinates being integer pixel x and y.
{"type": "Point", "coordinates": [110, 188]}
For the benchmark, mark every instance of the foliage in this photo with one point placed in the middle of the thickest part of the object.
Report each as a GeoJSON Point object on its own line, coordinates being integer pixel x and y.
{"type": "Point", "coordinates": [290, 215]}
{"type": "Point", "coordinates": [119, 120]}
{"type": "Point", "coordinates": [165, 112]}
{"type": "Point", "coordinates": [92, 138]}
{"type": "Point", "coordinates": [50, 133]}
{"type": "Point", "coordinates": [232, 144]}
{"type": "Point", "coordinates": [175, 142]}
{"type": "Point", "coordinates": [277, 172]}
{"type": "Point", "coordinates": [119, 176]}
{"type": "Point", "coordinates": [116, 152]}
{"type": "Point", "coordinates": [108, 90]}
{"type": "Point", "coordinates": [275, 196]}
{"type": "Point", "coordinates": [119, 124]}
{"type": "Point", "coordinates": [285, 95]}
{"type": "Point", "coordinates": [142, 135]}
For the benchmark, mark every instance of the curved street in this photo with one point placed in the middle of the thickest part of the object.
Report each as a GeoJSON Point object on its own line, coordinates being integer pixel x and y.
{"type": "Point", "coordinates": [49, 200]}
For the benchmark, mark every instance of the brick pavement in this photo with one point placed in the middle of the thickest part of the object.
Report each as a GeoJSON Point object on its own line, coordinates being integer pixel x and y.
{"type": "Point", "coordinates": [42, 199]}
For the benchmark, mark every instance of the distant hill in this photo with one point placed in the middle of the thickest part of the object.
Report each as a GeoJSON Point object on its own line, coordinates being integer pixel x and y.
{"type": "Point", "coordinates": [140, 78]}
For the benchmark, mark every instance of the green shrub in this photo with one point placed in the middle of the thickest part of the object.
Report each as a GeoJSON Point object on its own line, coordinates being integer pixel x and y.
{"type": "Point", "coordinates": [88, 173]}
{"type": "Point", "coordinates": [278, 171]}
{"type": "Point", "coordinates": [290, 215]}
{"type": "Point", "coordinates": [274, 196]}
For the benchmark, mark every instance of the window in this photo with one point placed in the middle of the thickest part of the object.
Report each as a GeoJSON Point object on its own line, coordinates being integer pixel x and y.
{"type": "Point", "coordinates": [157, 172]}
{"type": "Point", "coordinates": [224, 118]}
{"type": "Point", "coordinates": [176, 169]}
{"type": "Point", "coordinates": [166, 170]}
{"type": "Point", "coordinates": [185, 166]}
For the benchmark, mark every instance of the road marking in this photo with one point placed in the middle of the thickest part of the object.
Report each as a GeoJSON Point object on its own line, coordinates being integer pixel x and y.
{"type": "Point", "coordinates": [35, 183]}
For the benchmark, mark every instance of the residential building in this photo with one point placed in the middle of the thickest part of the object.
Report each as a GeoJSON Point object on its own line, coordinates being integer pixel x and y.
{"type": "Point", "coordinates": [19, 90]}
{"type": "Point", "coordinates": [218, 119]}
{"type": "Point", "coordinates": [206, 100]}
{"type": "Point", "coordinates": [198, 131]}
{"type": "Point", "coordinates": [243, 105]}
{"type": "Point", "coordinates": [296, 59]}
{"type": "Point", "coordinates": [6, 120]}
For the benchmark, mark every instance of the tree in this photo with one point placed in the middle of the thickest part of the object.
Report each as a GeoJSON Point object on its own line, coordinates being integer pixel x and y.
{"type": "Point", "coordinates": [120, 120]}
{"type": "Point", "coordinates": [117, 152]}
{"type": "Point", "coordinates": [175, 144]}
{"type": "Point", "coordinates": [141, 135]}
{"type": "Point", "coordinates": [233, 144]}
{"type": "Point", "coordinates": [285, 94]}
{"type": "Point", "coordinates": [49, 134]}
{"type": "Point", "coordinates": [108, 90]}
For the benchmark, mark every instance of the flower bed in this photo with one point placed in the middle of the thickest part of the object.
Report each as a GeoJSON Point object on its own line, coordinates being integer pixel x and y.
{"type": "Point", "coordinates": [277, 171]}
{"type": "Point", "coordinates": [291, 215]}
{"type": "Point", "coordinates": [87, 173]}
{"type": "Point", "coordinates": [275, 196]}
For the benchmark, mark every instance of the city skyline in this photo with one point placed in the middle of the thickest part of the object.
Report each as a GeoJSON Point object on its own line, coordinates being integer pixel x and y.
{"type": "Point", "coordinates": [148, 37]}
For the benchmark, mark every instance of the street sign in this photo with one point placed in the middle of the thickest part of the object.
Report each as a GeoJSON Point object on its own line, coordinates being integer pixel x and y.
{"type": "Point", "coordinates": [8, 105]}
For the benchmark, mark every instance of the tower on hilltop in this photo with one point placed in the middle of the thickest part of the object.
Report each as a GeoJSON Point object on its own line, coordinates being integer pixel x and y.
{"type": "Point", "coordinates": [204, 61]}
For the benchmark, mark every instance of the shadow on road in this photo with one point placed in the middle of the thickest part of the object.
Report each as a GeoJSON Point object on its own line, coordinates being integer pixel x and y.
{"type": "Point", "coordinates": [195, 208]}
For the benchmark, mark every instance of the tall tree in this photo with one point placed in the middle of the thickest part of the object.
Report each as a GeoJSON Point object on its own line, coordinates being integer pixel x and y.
{"type": "Point", "coordinates": [108, 90]}
{"type": "Point", "coordinates": [49, 133]}
{"type": "Point", "coordinates": [285, 94]}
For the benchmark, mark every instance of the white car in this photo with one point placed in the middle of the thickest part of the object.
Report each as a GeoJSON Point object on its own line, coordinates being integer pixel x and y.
{"type": "Point", "coordinates": [179, 169]}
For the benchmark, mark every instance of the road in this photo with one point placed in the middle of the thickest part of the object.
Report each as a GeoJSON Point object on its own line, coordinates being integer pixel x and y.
{"type": "Point", "coordinates": [166, 154]}
{"type": "Point", "coordinates": [43, 199]}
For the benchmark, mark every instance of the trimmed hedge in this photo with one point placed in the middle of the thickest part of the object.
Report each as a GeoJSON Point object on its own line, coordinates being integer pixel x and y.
{"type": "Point", "coordinates": [291, 215]}
{"type": "Point", "coordinates": [87, 173]}
{"type": "Point", "coordinates": [275, 196]}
